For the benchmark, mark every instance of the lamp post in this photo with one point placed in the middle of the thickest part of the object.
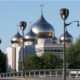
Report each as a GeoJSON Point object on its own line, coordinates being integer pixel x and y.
{"type": "Point", "coordinates": [23, 26]}
{"type": "Point", "coordinates": [64, 15]}
{"type": "Point", "coordinates": [0, 41]}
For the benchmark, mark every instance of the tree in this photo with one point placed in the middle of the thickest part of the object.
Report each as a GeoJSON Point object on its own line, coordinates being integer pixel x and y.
{"type": "Point", "coordinates": [51, 61]}
{"type": "Point", "coordinates": [73, 55]}
{"type": "Point", "coordinates": [45, 61]}
{"type": "Point", "coordinates": [33, 62]}
{"type": "Point", "coordinates": [2, 62]}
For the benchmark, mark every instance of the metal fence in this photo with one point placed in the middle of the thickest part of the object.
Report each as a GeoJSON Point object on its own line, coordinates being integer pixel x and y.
{"type": "Point", "coordinates": [70, 73]}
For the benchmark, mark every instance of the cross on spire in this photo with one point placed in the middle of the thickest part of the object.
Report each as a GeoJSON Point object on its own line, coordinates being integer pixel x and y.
{"type": "Point", "coordinates": [42, 8]}
{"type": "Point", "coordinates": [17, 28]}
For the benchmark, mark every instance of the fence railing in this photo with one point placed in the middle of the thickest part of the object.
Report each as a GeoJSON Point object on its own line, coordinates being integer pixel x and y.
{"type": "Point", "coordinates": [70, 73]}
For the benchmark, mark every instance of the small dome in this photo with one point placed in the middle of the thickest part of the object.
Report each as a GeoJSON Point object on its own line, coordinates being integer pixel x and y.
{"type": "Point", "coordinates": [68, 37]}
{"type": "Point", "coordinates": [42, 28]}
{"type": "Point", "coordinates": [16, 38]}
{"type": "Point", "coordinates": [54, 39]}
{"type": "Point", "coordinates": [30, 36]}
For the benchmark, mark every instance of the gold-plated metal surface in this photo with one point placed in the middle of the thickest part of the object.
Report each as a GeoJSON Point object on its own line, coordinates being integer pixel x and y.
{"type": "Point", "coordinates": [68, 37]}
{"type": "Point", "coordinates": [16, 38]}
{"type": "Point", "coordinates": [42, 28]}
{"type": "Point", "coordinates": [30, 36]}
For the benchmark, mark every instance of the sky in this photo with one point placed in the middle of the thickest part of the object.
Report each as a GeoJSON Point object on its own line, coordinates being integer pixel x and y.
{"type": "Point", "coordinates": [14, 11]}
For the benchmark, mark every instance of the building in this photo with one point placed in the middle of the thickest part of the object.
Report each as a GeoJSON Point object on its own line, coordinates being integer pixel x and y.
{"type": "Point", "coordinates": [40, 38]}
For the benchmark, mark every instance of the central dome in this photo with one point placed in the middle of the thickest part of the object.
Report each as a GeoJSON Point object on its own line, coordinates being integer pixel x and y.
{"type": "Point", "coordinates": [43, 29]}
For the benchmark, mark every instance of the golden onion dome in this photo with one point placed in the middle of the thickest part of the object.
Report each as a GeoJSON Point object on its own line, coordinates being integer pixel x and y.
{"type": "Point", "coordinates": [16, 38]}
{"type": "Point", "coordinates": [30, 36]}
{"type": "Point", "coordinates": [68, 37]}
{"type": "Point", "coordinates": [43, 29]}
{"type": "Point", "coordinates": [54, 39]}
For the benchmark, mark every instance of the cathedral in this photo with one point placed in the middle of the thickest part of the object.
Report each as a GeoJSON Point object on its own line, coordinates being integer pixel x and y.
{"type": "Point", "coordinates": [39, 39]}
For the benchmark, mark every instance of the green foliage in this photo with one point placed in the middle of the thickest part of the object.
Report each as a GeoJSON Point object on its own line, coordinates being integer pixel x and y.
{"type": "Point", "coordinates": [33, 62]}
{"type": "Point", "coordinates": [2, 62]}
{"type": "Point", "coordinates": [77, 42]}
{"type": "Point", "coordinates": [51, 61]}
{"type": "Point", "coordinates": [73, 55]}
{"type": "Point", "coordinates": [45, 61]}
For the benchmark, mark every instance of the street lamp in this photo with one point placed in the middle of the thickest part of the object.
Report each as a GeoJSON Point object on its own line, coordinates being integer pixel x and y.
{"type": "Point", "coordinates": [64, 15]}
{"type": "Point", "coordinates": [23, 26]}
{"type": "Point", "coordinates": [0, 41]}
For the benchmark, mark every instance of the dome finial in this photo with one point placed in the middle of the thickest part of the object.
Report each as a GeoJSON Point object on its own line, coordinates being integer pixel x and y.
{"type": "Point", "coordinates": [41, 8]}
{"type": "Point", "coordinates": [17, 28]}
